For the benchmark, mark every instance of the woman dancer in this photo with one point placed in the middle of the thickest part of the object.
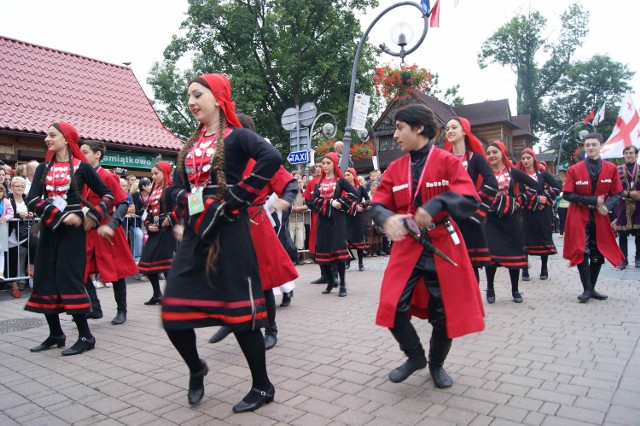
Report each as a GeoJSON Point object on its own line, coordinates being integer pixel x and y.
{"type": "Point", "coordinates": [55, 196]}
{"type": "Point", "coordinates": [215, 278]}
{"type": "Point", "coordinates": [275, 264]}
{"type": "Point", "coordinates": [504, 227]}
{"type": "Point", "coordinates": [469, 150]}
{"type": "Point", "coordinates": [157, 253]}
{"type": "Point", "coordinates": [333, 198]}
{"type": "Point", "coordinates": [107, 248]}
{"type": "Point", "coordinates": [355, 224]}
{"type": "Point", "coordinates": [537, 215]}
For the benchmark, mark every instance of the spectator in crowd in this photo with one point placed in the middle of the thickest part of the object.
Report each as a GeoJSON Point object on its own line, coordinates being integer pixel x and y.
{"type": "Point", "coordinates": [4, 180]}
{"type": "Point", "coordinates": [140, 202]}
{"type": "Point", "coordinates": [130, 180]}
{"type": "Point", "coordinates": [6, 214]}
{"type": "Point", "coordinates": [297, 217]}
{"type": "Point", "coordinates": [339, 146]}
{"type": "Point", "coordinates": [31, 170]}
{"type": "Point", "coordinates": [21, 170]}
{"type": "Point", "coordinates": [19, 232]}
{"type": "Point", "coordinates": [124, 184]}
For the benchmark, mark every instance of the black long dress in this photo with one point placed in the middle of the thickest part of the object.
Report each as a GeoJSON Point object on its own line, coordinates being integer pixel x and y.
{"type": "Point", "coordinates": [472, 228]}
{"type": "Point", "coordinates": [158, 251]}
{"type": "Point", "coordinates": [538, 238]}
{"type": "Point", "coordinates": [355, 223]}
{"type": "Point", "coordinates": [504, 223]}
{"type": "Point", "coordinates": [58, 280]}
{"type": "Point", "coordinates": [331, 229]}
{"type": "Point", "coordinates": [232, 294]}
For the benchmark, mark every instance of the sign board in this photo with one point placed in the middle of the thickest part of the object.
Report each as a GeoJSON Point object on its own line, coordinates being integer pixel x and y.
{"type": "Point", "coordinates": [289, 119]}
{"type": "Point", "coordinates": [308, 113]}
{"type": "Point", "coordinates": [360, 111]}
{"type": "Point", "coordinates": [298, 157]}
{"type": "Point", "coordinates": [131, 161]}
{"type": "Point", "coordinates": [299, 139]}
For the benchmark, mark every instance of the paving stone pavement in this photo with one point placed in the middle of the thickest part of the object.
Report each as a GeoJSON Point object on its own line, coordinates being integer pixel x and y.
{"type": "Point", "coordinates": [548, 361]}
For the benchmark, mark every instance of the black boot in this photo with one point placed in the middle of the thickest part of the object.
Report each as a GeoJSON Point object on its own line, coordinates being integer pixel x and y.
{"type": "Point", "coordinates": [585, 279]}
{"type": "Point", "coordinates": [322, 280]}
{"type": "Point", "coordinates": [96, 309]}
{"type": "Point", "coordinates": [360, 260]}
{"type": "Point", "coordinates": [286, 299]}
{"type": "Point", "coordinates": [120, 295]}
{"type": "Point", "coordinates": [525, 274]}
{"type": "Point", "coordinates": [196, 385]}
{"type": "Point", "coordinates": [409, 341]}
{"type": "Point", "coordinates": [331, 282]}
{"type": "Point", "coordinates": [594, 270]}
{"type": "Point", "coordinates": [270, 336]}
{"type": "Point", "coordinates": [221, 334]}
{"type": "Point", "coordinates": [438, 351]}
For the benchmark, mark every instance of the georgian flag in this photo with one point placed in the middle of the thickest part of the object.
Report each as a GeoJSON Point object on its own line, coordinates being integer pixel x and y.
{"type": "Point", "coordinates": [626, 131]}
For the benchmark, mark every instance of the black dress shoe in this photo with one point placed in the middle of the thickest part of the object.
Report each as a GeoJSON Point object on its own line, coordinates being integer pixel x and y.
{"type": "Point", "coordinates": [598, 296]}
{"type": "Point", "coordinates": [329, 288]}
{"type": "Point", "coordinates": [401, 373]}
{"type": "Point", "coordinates": [584, 297]}
{"type": "Point", "coordinates": [623, 265]}
{"type": "Point", "coordinates": [153, 301]}
{"type": "Point", "coordinates": [343, 291]}
{"type": "Point", "coordinates": [270, 340]}
{"type": "Point", "coordinates": [361, 267]}
{"type": "Point", "coordinates": [322, 280]}
{"type": "Point", "coordinates": [49, 342]}
{"type": "Point", "coordinates": [491, 296]}
{"type": "Point", "coordinates": [120, 318]}
{"type": "Point", "coordinates": [83, 344]}
{"type": "Point", "coordinates": [544, 274]}
{"type": "Point", "coordinates": [255, 399]}
{"type": "Point", "coordinates": [95, 315]}
{"type": "Point", "coordinates": [196, 385]}
{"type": "Point", "coordinates": [440, 377]}
{"type": "Point", "coordinates": [526, 277]}
{"type": "Point", "coordinates": [286, 299]}
{"type": "Point", "coordinates": [221, 334]}
{"type": "Point", "coordinates": [517, 297]}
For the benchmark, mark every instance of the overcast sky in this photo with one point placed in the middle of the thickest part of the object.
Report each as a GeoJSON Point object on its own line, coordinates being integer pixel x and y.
{"type": "Point", "coordinates": [137, 31]}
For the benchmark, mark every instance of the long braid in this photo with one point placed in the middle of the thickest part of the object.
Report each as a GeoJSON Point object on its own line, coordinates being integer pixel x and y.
{"type": "Point", "coordinates": [218, 164]}
{"type": "Point", "coordinates": [43, 178]}
{"type": "Point", "coordinates": [183, 153]}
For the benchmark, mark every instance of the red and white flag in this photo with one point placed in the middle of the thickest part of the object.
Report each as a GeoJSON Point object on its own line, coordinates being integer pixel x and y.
{"type": "Point", "coordinates": [626, 131]}
{"type": "Point", "coordinates": [589, 117]}
{"type": "Point", "coordinates": [599, 118]}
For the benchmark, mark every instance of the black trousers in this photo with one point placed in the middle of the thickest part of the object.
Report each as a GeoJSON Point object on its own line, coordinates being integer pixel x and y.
{"type": "Point", "coordinates": [624, 246]}
{"type": "Point", "coordinates": [403, 330]}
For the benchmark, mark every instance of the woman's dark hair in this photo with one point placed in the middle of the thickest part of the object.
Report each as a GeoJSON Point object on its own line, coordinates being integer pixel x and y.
{"type": "Point", "coordinates": [144, 182]}
{"type": "Point", "coordinates": [246, 121]}
{"type": "Point", "coordinates": [416, 115]}
{"type": "Point", "coordinates": [594, 135]}
{"type": "Point", "coordinates": [96, 146]}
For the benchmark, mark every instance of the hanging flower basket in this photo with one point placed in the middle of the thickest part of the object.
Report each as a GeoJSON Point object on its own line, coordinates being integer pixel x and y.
{"type": "Point", "coordinates": [362, 151]}
{"type": "Point", "coordinates": [324, 147]}
{"type": "Point", "coordinates": [399, 82]}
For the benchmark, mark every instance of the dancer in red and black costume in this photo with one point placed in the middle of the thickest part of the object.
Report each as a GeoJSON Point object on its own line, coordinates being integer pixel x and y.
{"type": "Point", "coordinates": [307, 195]}
{"type": "Point", "coordinates": [537, 214]}
{"type": "Point", "coordinates": [504, 223]}
{"type": "Point", "coordinates": [431, 185]}
{"type": "Point", "coordinates": [355, 223]}
{"type": "Point", "coordinates": [333, 199]}
{"type": "Point", "coordinates": [56, 197]}
{"type": "Point", "coordinates": [108, 252]}
{"type": "Point", "coordinates": [158, 251]}
{"type": "Point", "coordinates": [275, 264]}
{"type": "Point", "coordinates": [469, 150]}
{"type": "Point", "coordinates": [594, 189]}
{"type": "Point", "coordinates": [215, 277]}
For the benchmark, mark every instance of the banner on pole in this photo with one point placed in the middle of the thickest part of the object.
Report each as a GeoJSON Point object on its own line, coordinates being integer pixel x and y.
{"type": "Point", "coordinates": [360, 112]}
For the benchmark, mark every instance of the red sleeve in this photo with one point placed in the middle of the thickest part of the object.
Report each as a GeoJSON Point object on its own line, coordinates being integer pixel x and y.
{"type": "Point", "coordinates": [308, 190]}
{"type": "Point", "coordinates": [113, 183]}
{"type": "Point", "coordinates": [384, 193]}
{"type": "Point", "coordinates": [570, 180]}
{"type": "Point", "coordinates": [280, 180]}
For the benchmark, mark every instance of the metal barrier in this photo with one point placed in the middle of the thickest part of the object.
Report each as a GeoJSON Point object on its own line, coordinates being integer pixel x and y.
{"type": "Point", "coordinates": [17, 253]}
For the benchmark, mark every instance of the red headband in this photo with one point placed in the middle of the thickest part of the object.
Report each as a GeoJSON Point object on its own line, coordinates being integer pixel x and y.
{"type": "Point", "coordinates": [71, 136]}
{"type": "Point", "coordinates": [474, 143]}
{"type": "Point", "coordinates": [536, 164]}
{"type": "Point", "coordinates": [503, 150]}
{"type": "Point", "coordinates": [221, 88]}
{"type": "Point", "coordinates": [165, 167]}
{"type": "Point", "coordinates": [334, 159]}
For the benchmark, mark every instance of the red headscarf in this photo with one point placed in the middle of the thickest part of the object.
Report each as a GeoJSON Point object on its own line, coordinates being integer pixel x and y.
{"type": "Point", "coordinates": [166, 168]}
{"type": "Point", "coordinates": [334, 159]}
{"type": "Point", "coordinates": [474, 143]}
{"type": "Point", "coordinates": [71, 136]}
{"type": "Point", "coordinates": [221, 88]}
{"type": "Point", "coordinates": [536, 165]}
{"type": "Point", "coordinates": [503, 150]}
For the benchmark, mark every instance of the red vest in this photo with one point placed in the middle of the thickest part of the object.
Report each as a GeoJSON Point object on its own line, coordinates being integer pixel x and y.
{"type": "Point", "coordinates": [579, 182]}
{"type": "Point", "coordinates": [460, 290]}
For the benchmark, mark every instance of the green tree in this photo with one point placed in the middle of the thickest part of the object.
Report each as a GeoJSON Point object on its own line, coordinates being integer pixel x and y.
{"type": "Point", "coordinates": [586, 85]}
{"type": "Point", "coordinates": [278, 54]}
{"type": "Point", "coordinates": [519, 44]}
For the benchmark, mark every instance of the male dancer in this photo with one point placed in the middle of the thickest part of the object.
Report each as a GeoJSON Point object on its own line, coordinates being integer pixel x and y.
{"type": "Point", "coordinates": [627, 212]}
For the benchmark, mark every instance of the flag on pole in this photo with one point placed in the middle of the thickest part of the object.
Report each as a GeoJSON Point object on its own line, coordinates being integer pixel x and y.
{"type": "Point", "coordinates": [626, 131]}
{"type": "Point", "coordinates": [434, 20]}
{"type": "Point", "coordinates": [599, 118]}
{"type": "Point", "coordinates": [589, 117]}
{"type": "Point", "coordinates": [426, 6]}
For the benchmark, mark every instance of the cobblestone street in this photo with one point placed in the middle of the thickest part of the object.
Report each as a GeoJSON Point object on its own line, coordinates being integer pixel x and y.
{"type": "Point", "coordinates": [548, 361]}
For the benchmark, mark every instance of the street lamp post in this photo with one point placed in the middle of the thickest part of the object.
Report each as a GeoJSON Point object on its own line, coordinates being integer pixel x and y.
{"type": "Point", "coordinates": [401, 36]}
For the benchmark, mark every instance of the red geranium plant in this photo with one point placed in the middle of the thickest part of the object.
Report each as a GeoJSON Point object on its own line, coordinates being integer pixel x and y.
{"type": "Point", "coordinates": [325, 146]}
{"type": "Point", "coordinates": [364, 150]}
{"type": "Point", "coordinates": [400, 82]}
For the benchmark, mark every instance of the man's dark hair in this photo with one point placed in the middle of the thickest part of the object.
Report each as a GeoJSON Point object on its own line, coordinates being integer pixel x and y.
{"type": "Point", "coordinates": [633, 147]}
{"type": "Point", "coordinates": [96, 146]}
{"type": "Point", "coordinates": [247, 122]}
{"type": "Point", "coordinates": [416, 115]}
{"type": "Point", "coordinates": [594, 135]}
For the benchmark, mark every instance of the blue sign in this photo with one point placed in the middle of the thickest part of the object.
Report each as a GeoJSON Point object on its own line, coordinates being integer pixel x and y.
{"type": "Point", "coordinates": [298, 157]}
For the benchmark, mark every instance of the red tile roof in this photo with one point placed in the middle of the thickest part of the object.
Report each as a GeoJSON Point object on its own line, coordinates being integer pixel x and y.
{"type": "Point", "coordinates": [105, 102]}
